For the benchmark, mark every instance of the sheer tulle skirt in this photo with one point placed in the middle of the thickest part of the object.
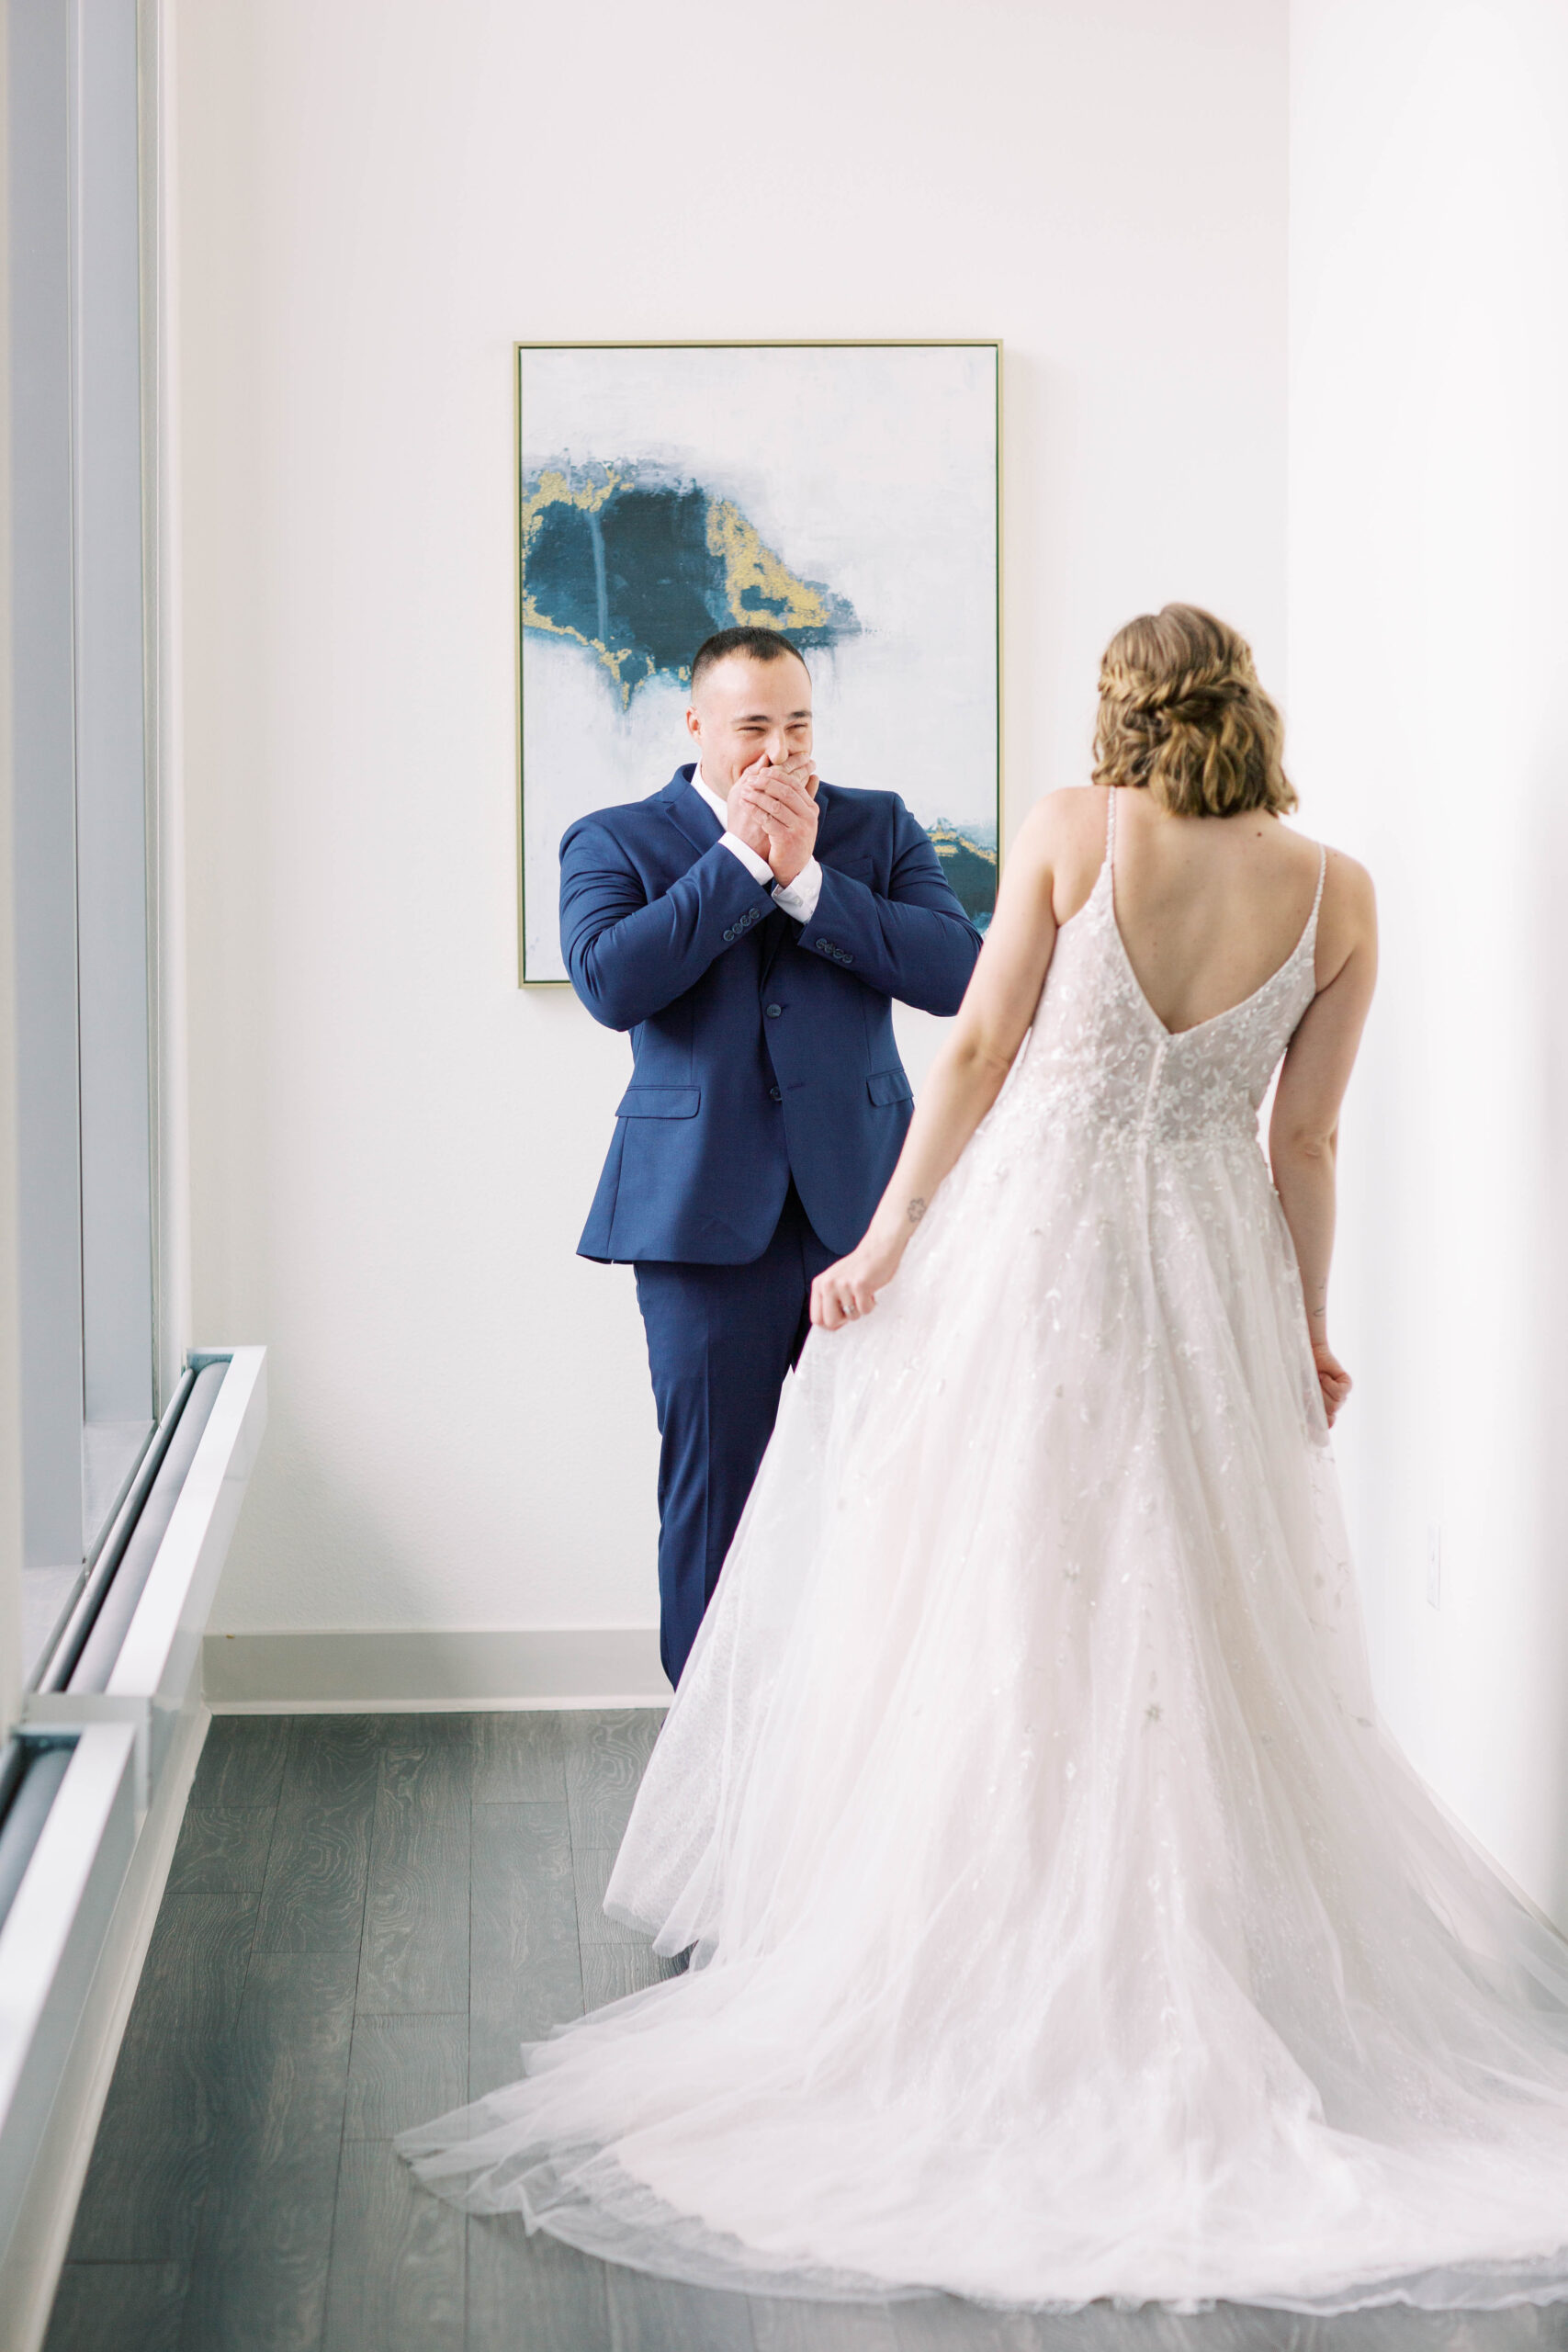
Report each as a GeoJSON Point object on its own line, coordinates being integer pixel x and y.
{"type": "Point", "coordinates": [1064, 1925]}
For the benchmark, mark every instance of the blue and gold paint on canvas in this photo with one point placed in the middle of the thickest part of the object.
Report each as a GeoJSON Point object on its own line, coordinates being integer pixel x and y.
{"type": "Point", "coordinates": [635, 565]}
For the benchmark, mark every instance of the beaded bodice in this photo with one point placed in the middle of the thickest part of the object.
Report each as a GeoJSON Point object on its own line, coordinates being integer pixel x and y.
{"type": "Point", "coordinates": [1100, 1054]}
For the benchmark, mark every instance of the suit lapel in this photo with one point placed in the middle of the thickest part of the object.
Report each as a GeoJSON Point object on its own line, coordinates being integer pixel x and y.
{"type": "Point", "coordinates": [690, 813]}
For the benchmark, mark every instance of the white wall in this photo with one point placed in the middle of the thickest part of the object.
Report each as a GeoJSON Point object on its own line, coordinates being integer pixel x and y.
{"type": "Point", "coordinates": [391, 1148]}
{"type": "Point", "coordinates": [1428, 708]}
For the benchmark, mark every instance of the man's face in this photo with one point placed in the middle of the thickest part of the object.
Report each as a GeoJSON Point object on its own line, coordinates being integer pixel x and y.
{"type": "Point", "coordinates": [745, 710]}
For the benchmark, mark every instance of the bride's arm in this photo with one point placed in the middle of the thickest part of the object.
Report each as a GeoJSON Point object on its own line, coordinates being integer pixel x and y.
{"type": "Point", "coordinates": [968, 1075]}
{"type": "Point", "coordinates": [1305, 1128]}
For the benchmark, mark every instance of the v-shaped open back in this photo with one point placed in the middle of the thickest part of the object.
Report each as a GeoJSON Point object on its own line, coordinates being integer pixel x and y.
{"type": "Point", "coordinates": [1305, 945]}
{"type": "Point", "coordinates": [1099, 1052]}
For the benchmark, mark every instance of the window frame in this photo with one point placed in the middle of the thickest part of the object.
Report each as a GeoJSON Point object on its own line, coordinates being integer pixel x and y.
{"type": "Point", "coordinates": [82, 455]}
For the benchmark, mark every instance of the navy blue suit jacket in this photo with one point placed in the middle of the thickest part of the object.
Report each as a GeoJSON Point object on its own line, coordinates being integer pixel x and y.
{"type": "Point", "coordinates": [761, 1046]}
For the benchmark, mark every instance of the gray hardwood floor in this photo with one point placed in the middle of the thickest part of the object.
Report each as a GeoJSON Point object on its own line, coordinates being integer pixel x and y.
{"type": "Point", "coordinates": [365, 1917]}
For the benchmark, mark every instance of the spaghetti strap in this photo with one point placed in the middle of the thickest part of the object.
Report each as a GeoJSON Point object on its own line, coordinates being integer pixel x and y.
{"type": "Point", "coordinates": [1322, 871]}
{"type": "Point", "coordinates": [1111, 827]}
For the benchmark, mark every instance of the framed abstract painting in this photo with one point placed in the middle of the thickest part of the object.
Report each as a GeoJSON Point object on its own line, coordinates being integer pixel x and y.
{"type": "Point", "coordinates": [847, 494]}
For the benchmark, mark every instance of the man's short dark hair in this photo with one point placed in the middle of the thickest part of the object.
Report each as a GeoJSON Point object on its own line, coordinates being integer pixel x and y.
{"type": "Point", "coordinates": [757, 644]}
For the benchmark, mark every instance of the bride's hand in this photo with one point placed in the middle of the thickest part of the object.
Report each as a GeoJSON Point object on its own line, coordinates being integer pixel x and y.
{"type": "Point", "coordinates": [1332, 1378]}
{"type": "Point", "coordinates": [845, 1292]}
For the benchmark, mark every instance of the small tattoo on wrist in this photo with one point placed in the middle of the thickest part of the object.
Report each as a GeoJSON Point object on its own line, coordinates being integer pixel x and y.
{"type": "Point", "coordinates": [917, 1210]}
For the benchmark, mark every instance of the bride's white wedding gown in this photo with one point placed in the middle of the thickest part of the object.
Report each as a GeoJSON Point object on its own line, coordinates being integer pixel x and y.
{"type": "Point", "coordinates": [1065, 1926]}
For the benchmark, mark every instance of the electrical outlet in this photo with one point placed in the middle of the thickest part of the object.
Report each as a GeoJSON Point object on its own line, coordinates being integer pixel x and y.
{"type": "Point", "coordinates": [1434, 1567]}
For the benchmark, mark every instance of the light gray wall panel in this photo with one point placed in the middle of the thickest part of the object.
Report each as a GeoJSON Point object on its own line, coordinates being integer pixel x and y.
{"type": "Point", "coordinates": [111, 801]}
{"type": "Point", "coordinates": [43, 750]}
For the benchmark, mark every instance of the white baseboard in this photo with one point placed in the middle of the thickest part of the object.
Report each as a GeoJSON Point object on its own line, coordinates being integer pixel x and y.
{"type": "Point", "coordinates": [435, 1668]}
{"type": "Point", "coordinates": [30, 2271]}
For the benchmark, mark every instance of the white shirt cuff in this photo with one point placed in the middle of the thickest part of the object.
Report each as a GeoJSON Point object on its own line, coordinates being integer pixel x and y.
{"type": "Point", "coordinates": [757, 867]}
{"type": "Point", "coordinates": [798, 899]}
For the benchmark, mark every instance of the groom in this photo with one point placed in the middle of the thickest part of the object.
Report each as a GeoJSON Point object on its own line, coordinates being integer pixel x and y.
{"type": "Point", "coordinates": [750, 926]}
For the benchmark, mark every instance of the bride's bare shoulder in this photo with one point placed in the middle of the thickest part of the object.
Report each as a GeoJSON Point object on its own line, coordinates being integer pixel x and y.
{"type": "Point", "coordinates": [1064, 825]}
{"type": "Point", "coordinates": [1071, 810]}
{"type": "Point", "coordinates": [1347, 920]}
{"type": "Point", "coordinates": [1348, 893]}
{"type": "Point", "coordinates": [1064, 838]}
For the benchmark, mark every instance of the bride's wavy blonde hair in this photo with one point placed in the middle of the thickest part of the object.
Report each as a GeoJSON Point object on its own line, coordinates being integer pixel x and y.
{"type": "Point", "coordinates": [1183, 718]}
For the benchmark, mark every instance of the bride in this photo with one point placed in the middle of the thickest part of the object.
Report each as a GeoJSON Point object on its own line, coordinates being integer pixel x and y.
{"type": "Point", "coordinates": [1064, 1925]}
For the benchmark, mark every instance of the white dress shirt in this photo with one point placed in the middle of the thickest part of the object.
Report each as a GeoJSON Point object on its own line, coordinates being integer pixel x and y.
{"type": "Point", "coordinates": [798, 898]}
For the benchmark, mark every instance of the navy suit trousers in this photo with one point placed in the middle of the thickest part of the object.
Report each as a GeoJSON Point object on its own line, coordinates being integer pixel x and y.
{"type": "Point", "coordinates": [720, 1340]}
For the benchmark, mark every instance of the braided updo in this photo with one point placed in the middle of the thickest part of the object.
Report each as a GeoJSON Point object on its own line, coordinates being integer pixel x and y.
{"type": "Point", "coordinates": [1182, 715]}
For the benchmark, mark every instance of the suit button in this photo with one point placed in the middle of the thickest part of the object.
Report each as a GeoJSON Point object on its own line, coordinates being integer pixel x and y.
{"type": "Point", "coordinates": [730, 935]}
{"type": "Point", "coordinates": [777, 1093]}
{"type": "Point", "coordinates": [773, 1011]}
